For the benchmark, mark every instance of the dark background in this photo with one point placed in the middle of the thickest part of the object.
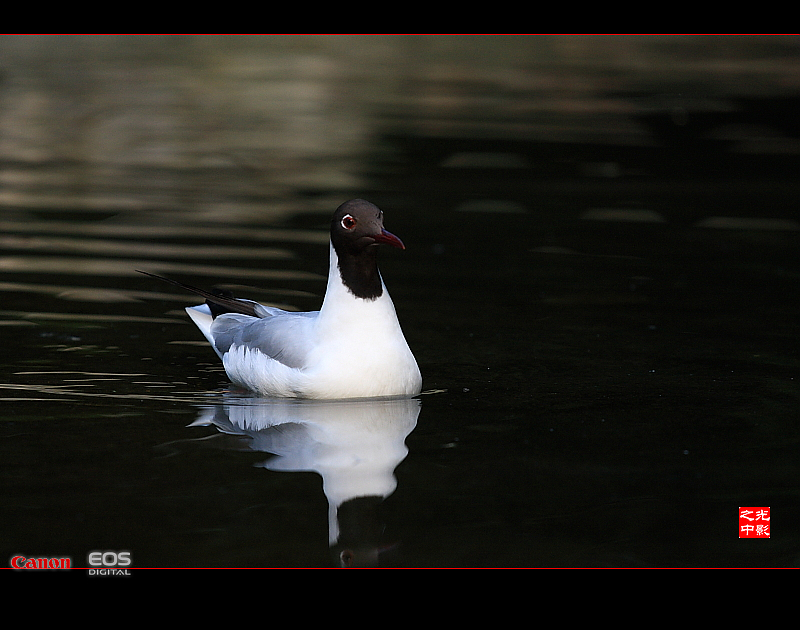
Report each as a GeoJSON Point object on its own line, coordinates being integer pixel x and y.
{"type": "Point", "coordinates": [600, 286]}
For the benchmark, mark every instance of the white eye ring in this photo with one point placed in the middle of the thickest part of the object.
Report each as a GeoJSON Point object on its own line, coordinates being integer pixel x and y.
{"type": "Point", "coordinates": [348, 222]}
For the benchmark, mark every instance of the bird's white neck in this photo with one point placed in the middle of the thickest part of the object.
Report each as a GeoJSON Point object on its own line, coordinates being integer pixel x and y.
{"type": "Point", "coordinates": [340, 299]}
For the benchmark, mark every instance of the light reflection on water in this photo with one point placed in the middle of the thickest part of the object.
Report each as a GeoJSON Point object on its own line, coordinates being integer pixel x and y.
{"type": "Point", "coordinates": [355, 447]}
{"type": "Point", "coordinates": [589, 371]}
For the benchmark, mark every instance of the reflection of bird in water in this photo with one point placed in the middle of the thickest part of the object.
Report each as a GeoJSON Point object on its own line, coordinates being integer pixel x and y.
{"type": "Point", "coordinates": [353, 445]}
{"type": "Point", "coordinates": [360, 534]}
{"type": "Point", "coordinates": [352, 347]}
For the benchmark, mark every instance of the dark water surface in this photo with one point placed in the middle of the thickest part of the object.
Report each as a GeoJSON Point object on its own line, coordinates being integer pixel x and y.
{"type": "Point", "coordinates": [601, 285]}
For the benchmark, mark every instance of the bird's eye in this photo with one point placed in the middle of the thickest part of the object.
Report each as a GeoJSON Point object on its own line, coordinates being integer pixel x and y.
{"type": "Point", "coordinates": [348, 222]}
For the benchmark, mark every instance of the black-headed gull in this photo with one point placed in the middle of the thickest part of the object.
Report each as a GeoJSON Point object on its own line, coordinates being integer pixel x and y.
{"type": "Point", "coordinates": [353, 347]}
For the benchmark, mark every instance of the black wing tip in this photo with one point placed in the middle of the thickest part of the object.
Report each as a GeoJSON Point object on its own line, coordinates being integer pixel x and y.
{"type": "Point", "coordinates": [219, 301]}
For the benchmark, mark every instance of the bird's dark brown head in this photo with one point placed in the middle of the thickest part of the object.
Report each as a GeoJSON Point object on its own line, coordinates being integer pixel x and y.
{"type": "Point", "coordinates": [356, 228]}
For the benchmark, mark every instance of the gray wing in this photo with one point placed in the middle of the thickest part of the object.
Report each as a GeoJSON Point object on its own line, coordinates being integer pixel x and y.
{"type": "Point", "coordinates": [284, 336]}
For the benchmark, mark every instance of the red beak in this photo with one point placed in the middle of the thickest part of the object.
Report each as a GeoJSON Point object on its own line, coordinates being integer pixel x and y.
{"type": "Point", "coordinates": [389, 239]}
